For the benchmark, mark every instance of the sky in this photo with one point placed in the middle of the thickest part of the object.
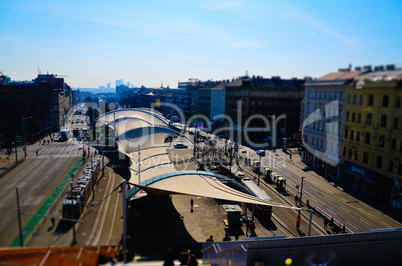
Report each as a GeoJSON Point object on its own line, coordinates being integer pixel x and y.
{"type": "Point", "coordinates": [157, 42]}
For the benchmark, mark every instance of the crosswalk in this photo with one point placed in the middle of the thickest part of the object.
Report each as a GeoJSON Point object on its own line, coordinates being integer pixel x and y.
{"type": "Point", "coordinates": [55, 151]}
{"type": "Point", "coordinates": [56, 156]}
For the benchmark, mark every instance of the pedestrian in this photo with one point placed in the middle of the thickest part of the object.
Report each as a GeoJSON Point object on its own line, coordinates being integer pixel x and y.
{"type": "Point", "coordinates": [37, 152]}
{"type": "Point", "coordinates": [331, 222]}
{"type": "Point", "coordinates": [325, 223]}
{"type": "Point", "coordinates": [53, 221]}
{"type": "Point", "coordinates": [168, 260]}
{"type": "Point", "coordinates": [193, 261]}
{"type": "Point", "coordinates": [344, 229]}
{"type": "Point", "coordinates": [290, 156]}
{"type": "Point", "coordinates": [237, 235]}
{"type": "Point", "coordinates": [210, 239]}
{"type": "Point", "coordinates": [227, 238]}
{"type": "Point", "coordinates": [184, 257]}
{"type": "Point", "coordinates": [252, 229]}
{"type": "Point", "coordinates": [296, 199]}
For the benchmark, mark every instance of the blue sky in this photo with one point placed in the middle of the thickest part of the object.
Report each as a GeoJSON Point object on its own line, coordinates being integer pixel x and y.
{"type": "Point", "coordinates": [166, 41]}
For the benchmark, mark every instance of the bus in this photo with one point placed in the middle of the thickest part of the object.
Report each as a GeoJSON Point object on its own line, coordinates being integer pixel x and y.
{"type": "Point", "coordinates": [65, 134]}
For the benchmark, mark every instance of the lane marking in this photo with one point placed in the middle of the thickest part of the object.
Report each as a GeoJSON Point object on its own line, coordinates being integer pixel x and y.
{"type": "Point", "coordinates": [352, 225]}
{"type": "Point", "coordinates": [366, 222]}
{"type": "Point", "coordinates": [343, 208]}
{"type": "Point", "coordinates": [386, 224]}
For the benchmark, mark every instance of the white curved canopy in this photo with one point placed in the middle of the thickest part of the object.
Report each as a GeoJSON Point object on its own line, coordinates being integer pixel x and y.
{"type": "Point", "coordinates": [156, 167]}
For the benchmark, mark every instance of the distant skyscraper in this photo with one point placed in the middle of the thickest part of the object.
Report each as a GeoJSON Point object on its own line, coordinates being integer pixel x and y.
{"type": "Point", "coordinates": [119, 82]}
{"type": "Point", "coordinates": [128, 84]}
{"type": "Point", "coordinates": [108, 85]}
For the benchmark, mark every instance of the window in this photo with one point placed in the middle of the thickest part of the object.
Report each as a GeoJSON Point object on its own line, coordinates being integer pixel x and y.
{"type": "Point", "coordinates": [398, 102]}
{"type": "Point", "coordinates": [353, 117]}
{"type": "Point", "coordinates": [354, 99]}
{"type": "Point", "coordinates": [361, 100]}
{"type": "Point", "coordinates": [391, 166]}
{"type": "Point", "coordinates": [365, 157]}
{"type": "Point", "coordinates": [359, 118]}
{"type": "Point", "coordinates": [381, 141]}
{"type": "Point", "coordinates": [350, 152]}
{"type": "Point", "coordinates": [396, 122]}
{"type": "Point", "coordinates": [356, 155]}
{"type": "Point", "coordinates": [347, 116]}
{"type": "Point", "coordinates": [371, 100]}
{"type": "Point", "coordinates": [346, 133]}
{"type": "Point", "coordinates": [393, 145]}
{"type": "Point", "coordinates": [369, 118]}
{"type": "Point", "coordinates": [352, 133]}
{"type": "Point", "coordinates": [349, 97]}
{"type": "Point", "coordinates": [400, 169]}
{"type": "Point", "coordinates": [344, 151]}
{"type": "Point", "coordinates": [379, 162]}
{"type": "Point", "coordinates": [341, 95]}
{"type": "Point", "coordinates": [322, 144]}
{"type": "Point", "coordinates": [357, 136]}
{"type": "Point", "coordinates": [367, 139]}
{"type": "Point", "coordinates": [385, 100]}
{"type": "Point", "coordinates": [312, 143]}
{"type": "Point", "coordinates": [383, 121]}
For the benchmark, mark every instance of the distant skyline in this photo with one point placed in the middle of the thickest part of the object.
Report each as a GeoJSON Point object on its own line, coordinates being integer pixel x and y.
{"type": "Point", "coordinates": [148, 43]}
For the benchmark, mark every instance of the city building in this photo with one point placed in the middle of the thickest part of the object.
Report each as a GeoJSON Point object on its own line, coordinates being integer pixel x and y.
{"type": "Point", "coordinates": [30, 110]}
{"type": "Point", "coordinates": [192, 101]}
{"type": "Point", "coordinates": [34, 108]}
{"type": "Point", "coordinates": [321, 121]}
{"type": "Point", "coordinates": [217, 110]}
{"type": "Point", "coordinates": [121, 89]}
{"type": "Point", "coordinates": [372, 136]}
{"type": "Point", "coordinates": [251, 101]}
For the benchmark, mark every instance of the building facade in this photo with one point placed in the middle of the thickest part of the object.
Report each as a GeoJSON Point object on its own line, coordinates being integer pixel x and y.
{"type": "Point", "coordinates": [322, 114]}
{"type": "Point", "coordinates": [250, 101]}
{"type": "Point", "coordinates": [372, 141]}
{"type": "Point", "coordinates": [30, 110]}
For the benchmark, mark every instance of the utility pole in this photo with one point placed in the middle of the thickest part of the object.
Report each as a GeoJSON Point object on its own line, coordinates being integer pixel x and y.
{"type": "Point", "coordinates": [259, 168]}
{"type": "Point", "coordinates": [301, 190]}
{"type": "Point", "coordinates": [16, 156]}
{"type": "Point", "coordinates": [72, 209]}
{"type": "Point", "coordinates": [123, 194]}
{"type": "Point", "coordinates": [19, 218]}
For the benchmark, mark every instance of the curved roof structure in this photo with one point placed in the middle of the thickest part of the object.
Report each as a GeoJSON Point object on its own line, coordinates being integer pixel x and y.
{"type": "Point", "coordinates": [150, 115]}
{"type": "Point", "coordinates": [158, 168]}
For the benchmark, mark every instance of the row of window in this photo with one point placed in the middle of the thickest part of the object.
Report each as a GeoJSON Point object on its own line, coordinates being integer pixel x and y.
{"type": "Point", "coordinates": [367, 139]}
{"type": "Point", "coordinates": [320, 143]}
{"type": "Point", "coordinates": [359, 99]}
{"type": "Point", "coordinates": [354, 155]}
{"type": "Point", "coordinates": [369, 119]}
{"type": "Point", "coordinates": [319, 94]}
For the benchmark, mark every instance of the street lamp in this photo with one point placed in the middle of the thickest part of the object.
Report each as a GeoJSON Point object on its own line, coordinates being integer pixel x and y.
{"type": "Point", "coordinates": [23, 127]}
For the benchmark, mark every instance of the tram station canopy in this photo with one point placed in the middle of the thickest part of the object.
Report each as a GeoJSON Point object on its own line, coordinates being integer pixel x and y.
{"type": "Point", "coordinates": [145, 137]}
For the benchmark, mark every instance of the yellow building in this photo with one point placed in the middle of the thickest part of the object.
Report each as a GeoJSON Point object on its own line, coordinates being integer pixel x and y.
{"type": "Point", "coordinates": [372, 138]}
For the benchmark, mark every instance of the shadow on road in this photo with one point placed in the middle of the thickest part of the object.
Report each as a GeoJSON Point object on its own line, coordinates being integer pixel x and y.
{"type": "Point", "coordinates": [154, 225]}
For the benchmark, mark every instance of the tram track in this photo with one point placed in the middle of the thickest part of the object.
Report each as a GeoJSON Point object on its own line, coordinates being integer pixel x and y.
{"type": "Point", "coordinates": [289, 214]}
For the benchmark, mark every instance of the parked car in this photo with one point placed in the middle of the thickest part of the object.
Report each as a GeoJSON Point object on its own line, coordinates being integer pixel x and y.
{"type": "Point", "coordinates": [180, 146]}
{"type": "Point", "coordinates": [261, 152]}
